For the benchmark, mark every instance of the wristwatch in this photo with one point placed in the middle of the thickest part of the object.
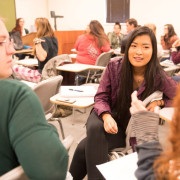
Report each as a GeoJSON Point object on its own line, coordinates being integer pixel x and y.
{"type": "Point", "coordinates": [37, 42]}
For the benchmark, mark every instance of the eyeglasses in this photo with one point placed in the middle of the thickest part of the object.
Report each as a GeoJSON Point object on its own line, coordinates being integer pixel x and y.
{"type": "Point", "coordinates": [8, 42]}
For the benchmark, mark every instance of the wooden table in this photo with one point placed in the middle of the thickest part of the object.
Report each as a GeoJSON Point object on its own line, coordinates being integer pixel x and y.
{"type": "Point", "coordinates": [24, 51]}
{"type": "Point", "coordinates": [80, 102]}
{"type": "Point", "coordinates": [166, 113]}
{"type": "Point", "coordinates": [28, 62]}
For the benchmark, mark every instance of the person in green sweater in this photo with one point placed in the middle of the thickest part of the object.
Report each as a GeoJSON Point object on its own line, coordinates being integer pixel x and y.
{"type": "Point", "coordinates": [26, 138]}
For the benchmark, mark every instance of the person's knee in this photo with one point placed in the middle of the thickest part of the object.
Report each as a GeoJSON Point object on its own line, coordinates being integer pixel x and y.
{"type": "Point", "coordinates": [94, 124]}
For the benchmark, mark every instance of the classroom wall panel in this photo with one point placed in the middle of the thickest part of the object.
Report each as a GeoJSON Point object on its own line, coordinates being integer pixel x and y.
{"type": "Point", "coordinates": [8, 13]}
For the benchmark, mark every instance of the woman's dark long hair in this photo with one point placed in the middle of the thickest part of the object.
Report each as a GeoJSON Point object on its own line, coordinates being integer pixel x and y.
{"type": "Point", "coordinates": [153, 69]}
{"type": "Point", "coordinates": [171, 32]}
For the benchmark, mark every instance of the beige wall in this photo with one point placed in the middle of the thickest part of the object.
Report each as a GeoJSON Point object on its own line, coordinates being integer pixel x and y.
{"type": "Point", "coordinates": [78, 13]}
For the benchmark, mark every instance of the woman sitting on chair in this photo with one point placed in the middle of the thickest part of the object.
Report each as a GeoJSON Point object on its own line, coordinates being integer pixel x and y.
{"type": "Point", "coordinates": [139, 70]}
{"type": "Point", "coordinates": [91, 44]}
{"type": "Point", "coordinates": [46, 47]}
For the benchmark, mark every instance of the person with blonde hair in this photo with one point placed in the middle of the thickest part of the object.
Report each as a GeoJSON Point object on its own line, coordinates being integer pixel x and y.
{"type": "Point", "coordinates": [91, 44]}
{"type": "Point", "coordinates": [153, 161]}
{"type": "Point", "coordinates": [45, 48]}
{"type": "Point", "coordinates": [159, 47]}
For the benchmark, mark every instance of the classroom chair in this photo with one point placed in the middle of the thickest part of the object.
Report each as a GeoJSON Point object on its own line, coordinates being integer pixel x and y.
{"type": "Point", "coordinates": [45, 90]}
{"type": "Point", "coordinates": [94, 75]}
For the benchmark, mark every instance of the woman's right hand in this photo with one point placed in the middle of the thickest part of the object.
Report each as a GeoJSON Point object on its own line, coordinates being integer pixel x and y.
{"type": "Point", "coordinates": [110, 124]}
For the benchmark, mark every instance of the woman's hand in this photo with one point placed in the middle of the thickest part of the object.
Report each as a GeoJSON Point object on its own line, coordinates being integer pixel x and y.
{"type": "Point", "coordinates": [110, 124]}
{"type": "Point", "coordinates": [38, 40]}
{"type": "Point", "coordinates": [136, 104]}
{"type": "Point", "coordinates": [151, 106]}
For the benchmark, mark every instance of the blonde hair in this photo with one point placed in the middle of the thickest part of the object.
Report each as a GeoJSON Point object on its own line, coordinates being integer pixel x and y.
{"type": "Point", "coordinates": [44, 28]}
{"type": "Point", "coordinates": [152, 27]}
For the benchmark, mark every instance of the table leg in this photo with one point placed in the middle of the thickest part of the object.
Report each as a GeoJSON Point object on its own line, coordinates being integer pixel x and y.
{"type": "Point", "coordinates": [73, 115]}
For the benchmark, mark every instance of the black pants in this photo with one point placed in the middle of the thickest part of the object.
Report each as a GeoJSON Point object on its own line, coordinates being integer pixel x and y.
{"type": "Point", "coordinates": [93, 150]}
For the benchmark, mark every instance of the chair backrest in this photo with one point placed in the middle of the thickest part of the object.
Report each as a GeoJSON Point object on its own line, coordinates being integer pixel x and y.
{"type": "Point", "coordinates": [15, 174]}
{"type": "Point", "coordinates": [104, 58]}
{"type": "Point", "coordinates": [46, 89]}
{"type": "Point", "coordinates": [50, 70]}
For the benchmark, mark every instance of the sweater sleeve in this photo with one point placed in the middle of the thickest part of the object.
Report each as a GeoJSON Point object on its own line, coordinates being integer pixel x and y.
{"type": "Point", "coordinates": [103, 95]}
{"type": "Point", "coordinates": [175, 57]}
{"type": "Point", "coordinates": [147, 153]}
{"type": "Point", "coordinates": [106, 47]}
{"type": "Point", "coordinates": [168, 88]}
{"type": "Point", "coordinates": [145, 126]}
{"type": "Point", "coordinates": [35, 142]}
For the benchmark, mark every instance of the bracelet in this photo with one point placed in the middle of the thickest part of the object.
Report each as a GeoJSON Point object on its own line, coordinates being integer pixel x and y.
{"type": "Point", "coordinates": [37, 42]}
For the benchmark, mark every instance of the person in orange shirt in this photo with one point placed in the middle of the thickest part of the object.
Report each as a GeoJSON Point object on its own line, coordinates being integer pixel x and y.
{"type": "Point", "coordinates": [91, 44]}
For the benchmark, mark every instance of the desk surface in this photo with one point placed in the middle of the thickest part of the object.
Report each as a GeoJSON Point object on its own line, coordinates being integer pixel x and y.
{"type": "Point", "coordinates": [166, 113]}
{"type": "Point", "coordinates": [80, 102]}
{"type": "Point", "coordinates": [83, 96]}
{"type": "Point", "coordinates": [78, 67]}
{"type": "Point", "coordinates": [24, 51]}
{"type": "Point", "coordinates": [28, 62]}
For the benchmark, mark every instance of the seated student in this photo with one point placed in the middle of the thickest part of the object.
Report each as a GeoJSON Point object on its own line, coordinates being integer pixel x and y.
{"type": "Point", "coordinates": [26, 137]}
{"type": "Point", "coordinates": [139, 70]}
{"type": "Point", "coordinates": [169, 37]}
{"type": "Point", "coordinates": [175, 57]}
{"type": "Point", "coordinates": [159, 47]}
{"type": "Point", "coordinates": [131, 24]}
{"type": "Point", "coordinates": [46, 47]}
{"type": "Point", "coordinates": [116, 36]}
{"type": "Point", "coordinates": [91, 44]}
{"type": "Point", "coordinates": [20, 27]}
{"type": "Point", "coordinates": [153, 162]}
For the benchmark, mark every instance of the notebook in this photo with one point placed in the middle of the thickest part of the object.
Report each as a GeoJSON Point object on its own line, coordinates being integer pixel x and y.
{"type": "Point", "coordinates": [77, 91]}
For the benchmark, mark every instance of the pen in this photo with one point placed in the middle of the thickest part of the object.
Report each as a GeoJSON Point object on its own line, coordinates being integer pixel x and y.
{"type": "Point", "coordinates": [76, 90]}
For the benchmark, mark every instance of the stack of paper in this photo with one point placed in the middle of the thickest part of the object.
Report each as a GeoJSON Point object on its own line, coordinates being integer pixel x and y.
{"type": "Point", "coordinates": [77, 91]}
{"type": "Point", "coordinates": [122, 168]}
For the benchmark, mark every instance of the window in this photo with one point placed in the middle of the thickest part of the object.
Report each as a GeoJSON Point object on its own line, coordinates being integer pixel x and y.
{"type": "Point", "coordinates": [117, 10]}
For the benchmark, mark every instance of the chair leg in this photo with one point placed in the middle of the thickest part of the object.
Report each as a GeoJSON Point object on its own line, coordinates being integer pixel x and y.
{"type": "Point", "coordinates": [61, 127]}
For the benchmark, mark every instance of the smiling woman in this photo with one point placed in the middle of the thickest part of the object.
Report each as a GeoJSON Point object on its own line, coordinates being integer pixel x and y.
{"type": "Point", "coordinates": [139, 70]}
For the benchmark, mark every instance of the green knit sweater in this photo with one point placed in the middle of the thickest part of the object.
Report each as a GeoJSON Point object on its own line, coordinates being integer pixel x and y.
{"type": "Point", "coordinates": [26, 138]}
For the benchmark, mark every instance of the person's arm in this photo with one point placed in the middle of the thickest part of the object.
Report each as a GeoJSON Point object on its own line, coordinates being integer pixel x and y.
{"type": "Point", "coordinates": [163, 43]}
{"type": "Point", "coordinates": [168, 87]}
{"type": "Point", "coordinates": [147, 153]}
{"type": "Point", "coordinates": [175, 56]}
{"type": "Point", "coordinates": [103, 96]}
{"type": "Point", "coordinates": [145, 128]}
{"type": "Point", "coordinates": [41, 51]}
{"type": "Point", "coordinates": [106, 47]}
{"type": "Point", "coordinates": [103, 99]}
{"type": "Point", "coordinates": [35, 142]}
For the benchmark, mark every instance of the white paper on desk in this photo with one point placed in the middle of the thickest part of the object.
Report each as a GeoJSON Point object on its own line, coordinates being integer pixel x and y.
{"type": "Point", "coordinates": [122, 168]}
{"type": "Point", "coordinates": [87, 91]}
